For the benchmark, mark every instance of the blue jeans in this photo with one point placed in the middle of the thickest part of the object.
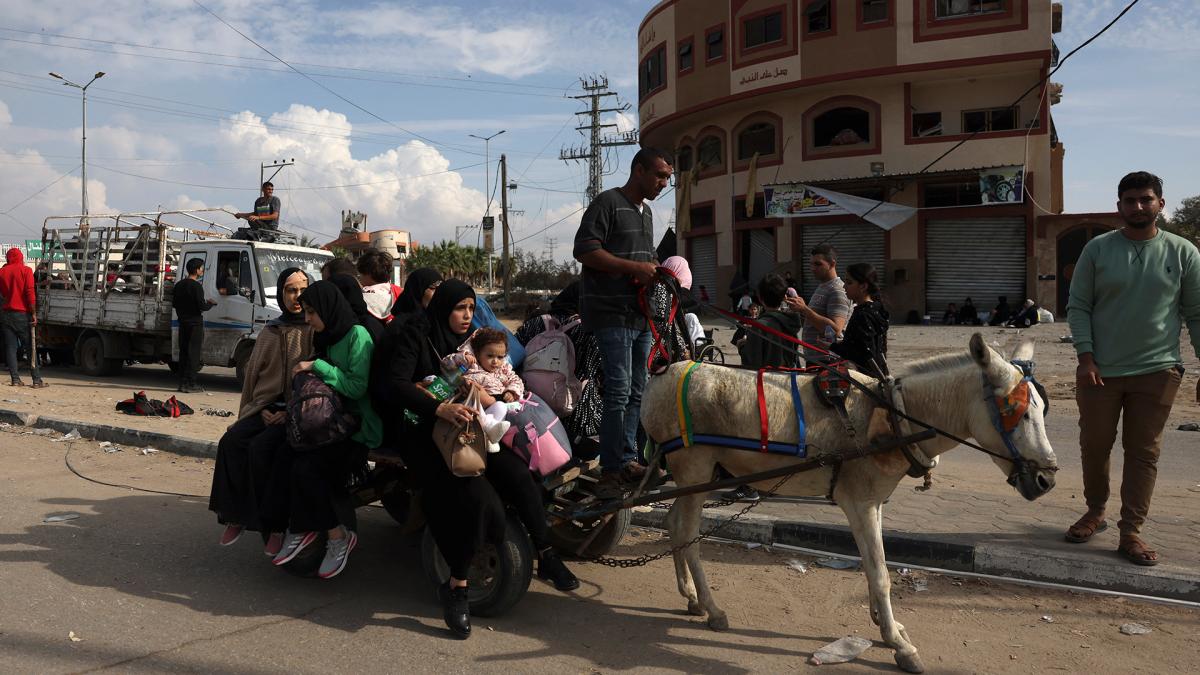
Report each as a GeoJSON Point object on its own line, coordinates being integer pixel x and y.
{"type": "Point", "coordinates": [16, 335]}
{"type": "Point", "coordinates": [623, 354]}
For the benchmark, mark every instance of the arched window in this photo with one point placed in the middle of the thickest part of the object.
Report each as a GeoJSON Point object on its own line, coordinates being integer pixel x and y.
{"type": "Point", "coordinates": [758, 137]}
{"type": "Point", "coordinates": [709, 153]}
{"type": "Point", "coordinates": [841, 127]}
{"type": "Point", "coordinates": [683, 158]}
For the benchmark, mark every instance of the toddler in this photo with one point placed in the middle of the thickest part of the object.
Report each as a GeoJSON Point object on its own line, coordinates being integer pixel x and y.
{"type": "Point", "coordinates": [485, 356]}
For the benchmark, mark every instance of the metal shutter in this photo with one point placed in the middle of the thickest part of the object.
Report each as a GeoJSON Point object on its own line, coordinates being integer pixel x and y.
{"type": "Point", "coordinates": [976, 258]}
{"type": "Point", "coordinates": [762, 254]}
{"type": "Point", "coordinates": [855, 243]}
{"type": "Point", "coordinates": [702, 259]}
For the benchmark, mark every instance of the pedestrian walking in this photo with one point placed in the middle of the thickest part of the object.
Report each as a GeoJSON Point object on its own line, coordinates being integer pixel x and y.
{"type": "Point", "coordinates": [615, 245]}
{"type": "Point", "coordinates": [1132, 291]}
{"type": "Point", "coordinates": [826, 312]}
{"type": "Point", "coordinates": [189, 302]}
{"type": "Point", "coordinates": [18, 316]}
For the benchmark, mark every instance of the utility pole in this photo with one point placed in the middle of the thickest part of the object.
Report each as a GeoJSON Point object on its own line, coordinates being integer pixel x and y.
{"type": "Point", "coordinates": [551, 243]}
{"type": "Point", "coordinates": [505, 260]}
{"type": "Point", "coordinates": [83, 152]}
{"type": "Point", "coordinates": [277, 165]}
{"type": "Point", "coordinates": [596, 89]}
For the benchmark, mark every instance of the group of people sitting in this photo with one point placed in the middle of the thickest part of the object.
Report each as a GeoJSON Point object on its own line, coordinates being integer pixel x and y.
{"type": "Point", "coordinates": [1001, 315]}
{"type": "Point", "coordinates": [376, 347]}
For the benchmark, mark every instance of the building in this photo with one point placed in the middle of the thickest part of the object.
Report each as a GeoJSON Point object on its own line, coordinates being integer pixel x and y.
{"type": "Point", "coordinates": [354, 239]}
{"type": "Point", "coordinates": [860, 96]}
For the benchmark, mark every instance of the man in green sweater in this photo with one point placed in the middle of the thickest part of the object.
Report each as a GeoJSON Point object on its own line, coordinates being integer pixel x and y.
{"type": "Point", "coordinates": [1132, 291]}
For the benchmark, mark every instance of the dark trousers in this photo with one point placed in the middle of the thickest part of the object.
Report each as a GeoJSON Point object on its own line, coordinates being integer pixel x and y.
{"type": "Point", "coordinates": [191, 341]}
{"type": "Point", "coordinates": [252, 456]}
{"type": "Point", "coordinates": [1145, 403]}
{"type": "Point", "coordinates": [17, 335]}
{"type": "Point", "coordinates": [308, 490]}
{"type": "Point", "coordinates": [463, 513]}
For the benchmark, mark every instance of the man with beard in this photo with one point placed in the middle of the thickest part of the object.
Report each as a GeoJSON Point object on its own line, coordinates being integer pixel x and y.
{"type": "Point", "coordinates": [615, 245]}
{"type": "Point", "coordinates": [1132, 290]}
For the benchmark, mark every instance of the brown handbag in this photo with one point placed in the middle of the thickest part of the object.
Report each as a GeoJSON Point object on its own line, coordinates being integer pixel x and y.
{"type": "Point", "coordinates": [464, 447]}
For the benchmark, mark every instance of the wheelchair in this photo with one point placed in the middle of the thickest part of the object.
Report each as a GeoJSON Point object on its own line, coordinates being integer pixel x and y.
{"type": "Point", "coordinates": [706, 349]}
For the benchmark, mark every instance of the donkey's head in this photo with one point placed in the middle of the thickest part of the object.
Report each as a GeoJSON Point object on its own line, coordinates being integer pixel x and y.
{"type": "Point", "coordinates": [1008, 418]}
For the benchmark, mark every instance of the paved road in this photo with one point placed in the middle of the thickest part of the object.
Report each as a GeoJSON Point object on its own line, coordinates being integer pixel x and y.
{"type": "Point", "coordinates": [141, 582]}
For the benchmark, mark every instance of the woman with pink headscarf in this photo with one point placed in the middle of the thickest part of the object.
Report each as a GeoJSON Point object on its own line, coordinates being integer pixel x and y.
{"type": "Point", "coordinates": [683, 273]}
{"type": "Point", "coordinates": [679, 336]}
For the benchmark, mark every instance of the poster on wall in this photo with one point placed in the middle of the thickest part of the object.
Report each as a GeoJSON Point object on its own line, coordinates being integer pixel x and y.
{"type": "Point", "coordinates": [1002, 185]}
{"type": "Point", "coordinates": [794, 200]}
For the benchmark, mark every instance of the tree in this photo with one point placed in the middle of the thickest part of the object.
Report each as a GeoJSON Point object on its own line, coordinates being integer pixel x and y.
{"type": "Point", "coordinates": [1185, 221]}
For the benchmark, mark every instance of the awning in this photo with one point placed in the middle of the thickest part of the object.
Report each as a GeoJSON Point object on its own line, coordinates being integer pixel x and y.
{"type": "Point", "coordinates": [796, 200]}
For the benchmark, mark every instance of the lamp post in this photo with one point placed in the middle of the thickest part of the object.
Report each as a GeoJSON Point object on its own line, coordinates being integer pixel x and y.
{"type": "Point", "coordinates": [487, 178]}
{"type": "Point", "coordinates": [83, 159]}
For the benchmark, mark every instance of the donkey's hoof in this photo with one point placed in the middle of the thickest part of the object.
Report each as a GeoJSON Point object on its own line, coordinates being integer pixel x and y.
{"type": "Point", "coordinates": [910, 663]}
{"type": "Point", "coordinates": [718, 622]}
{"type": "Point", "coordinates": [694, 608]}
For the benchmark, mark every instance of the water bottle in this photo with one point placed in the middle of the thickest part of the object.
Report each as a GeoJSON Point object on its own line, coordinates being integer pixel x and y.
{"type": "Point", "coordinates": [441, 387]}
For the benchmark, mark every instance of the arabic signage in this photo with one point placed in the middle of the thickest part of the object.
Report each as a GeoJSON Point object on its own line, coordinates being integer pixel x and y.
{"type": "Point", "coordinates": [798, 201]}
{"type": "Point", "coordinates": [764, 74]}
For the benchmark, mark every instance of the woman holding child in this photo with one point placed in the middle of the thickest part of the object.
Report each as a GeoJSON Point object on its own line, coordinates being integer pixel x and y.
{"type": "Point", "coordinates": [462, 513]}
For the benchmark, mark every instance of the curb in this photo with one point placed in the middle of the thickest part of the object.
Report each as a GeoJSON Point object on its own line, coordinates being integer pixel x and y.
{"type": "Point", "coordinates": [1021, 563]}
{"type": "Point", "coordinates": [192, 447]}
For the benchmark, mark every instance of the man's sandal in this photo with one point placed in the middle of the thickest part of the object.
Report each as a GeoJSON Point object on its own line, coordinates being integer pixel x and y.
{"type": "Point", "coordinates": [1136, 551]}
{"type": "Point", "coordinates": [1085, 528]}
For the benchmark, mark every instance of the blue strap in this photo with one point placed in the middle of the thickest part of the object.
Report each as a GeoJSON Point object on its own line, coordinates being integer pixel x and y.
{"type": "Point", "coordinates": [801, 430]}
{"type": "Point", "coordinates": [773, 447]}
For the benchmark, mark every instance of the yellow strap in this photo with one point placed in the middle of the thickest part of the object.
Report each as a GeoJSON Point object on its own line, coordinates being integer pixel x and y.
{"type": "Point", "coordinates": [685, 417]}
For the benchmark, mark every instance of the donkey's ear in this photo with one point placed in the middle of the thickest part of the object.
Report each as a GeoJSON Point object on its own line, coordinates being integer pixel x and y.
{"type": "Point", "coordinates": [1024, 351]}
{"type": "Point", "coordinates": [980, 351]}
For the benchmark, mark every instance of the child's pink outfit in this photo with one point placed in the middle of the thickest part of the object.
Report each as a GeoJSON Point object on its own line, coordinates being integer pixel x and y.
{"type": "Point", "coordinates": [496, 383]}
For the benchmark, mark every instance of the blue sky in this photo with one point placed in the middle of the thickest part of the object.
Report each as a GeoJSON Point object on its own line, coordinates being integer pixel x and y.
{"type": "Point", "coordinates": [170, 126]}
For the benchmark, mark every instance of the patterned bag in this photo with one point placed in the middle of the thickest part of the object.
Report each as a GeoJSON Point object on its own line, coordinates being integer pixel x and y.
{"type": "Point", "coordinates": [317, 415]}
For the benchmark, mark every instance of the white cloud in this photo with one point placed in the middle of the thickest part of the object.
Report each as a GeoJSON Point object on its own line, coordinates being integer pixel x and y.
{"type": "Point", "coordinates": [1162, 26]}
{"type": "Point", "coordinates": [5, 115]}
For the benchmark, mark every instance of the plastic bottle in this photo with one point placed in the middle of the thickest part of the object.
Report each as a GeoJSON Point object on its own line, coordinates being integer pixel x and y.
{"type": "Point", "coordinates": [441, 387]}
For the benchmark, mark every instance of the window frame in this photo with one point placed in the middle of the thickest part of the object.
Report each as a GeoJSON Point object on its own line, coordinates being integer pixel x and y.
{"type": "Point", "coordinates": [744, 29]}
{"type": "Point", "coordinates": [913, 124]}
{"type": "Point", "coordinates": [875, 122]}
{"type": "Point", "coordinates": [989, 113]}
{"type": "Point", "coordinates": [1004, 9]}
{"type": "Point", "coordinates": [649, 93]}
{"type": "Point", "coordinates": [735, 145]}
{"type": "Point", "coordinates": [714, 169]}
{"type": "Point", "coordinates": [718, 28]}
{"type": "Point", "coordinates": [690, 146]}
{"type": "Point", "coordinates": [690, 42]}
{"type": "Point", "coordinates": [831, 5]}
{"type": "Point", "coordinates": [862, 24]}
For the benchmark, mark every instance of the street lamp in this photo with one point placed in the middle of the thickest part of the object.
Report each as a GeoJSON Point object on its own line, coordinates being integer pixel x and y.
{"type": "Point", "coordinates": [487, 179]}
{"type": "Point", "coordinates": [82, 88]}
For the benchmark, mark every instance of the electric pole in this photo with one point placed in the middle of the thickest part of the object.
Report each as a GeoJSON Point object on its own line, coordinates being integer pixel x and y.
{"type": "Point", "coordinates": [550, 243]}
{"type": "Point", "coordinates": [504, 224]}
{"type": "Point", "coordinates": [277, 165]}
{"type": "Point", "coordinates": [596, 89]}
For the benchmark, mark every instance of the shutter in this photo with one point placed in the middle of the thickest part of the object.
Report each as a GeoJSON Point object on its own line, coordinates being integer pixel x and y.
{"type": "Point", "coordinates": [702, 259]}
{"type": "Point", "coordinates": [762, 254]}
{"type": "Point", "coordinates": [976, 258]}
{"type": "Point", "coordinates": [855, 243]}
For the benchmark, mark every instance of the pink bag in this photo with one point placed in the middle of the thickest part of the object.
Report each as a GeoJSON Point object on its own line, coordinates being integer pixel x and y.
{"type": "Point", "coordinates": [537, 436]}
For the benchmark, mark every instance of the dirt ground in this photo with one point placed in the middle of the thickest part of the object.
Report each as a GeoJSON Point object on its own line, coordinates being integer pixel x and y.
{"type": "Point", "coordinates": [141, 582]}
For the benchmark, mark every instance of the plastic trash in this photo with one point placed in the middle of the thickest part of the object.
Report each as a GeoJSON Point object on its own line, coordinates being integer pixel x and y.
{"type": "Point", "coordinates": [920, 585]}
{"type": "Point", "coordinates": [1189, 426]}
{"type": "Point", "coordinates": [837, 563]}
{"type": "Point", "coordinates": [73, 637]}
{"type": "Point", "coordinates": [72, 435]}
{"type": "Point", "coordinates": [797, 565]}
{"type": "Point", "coordinates": [149, 451]}
{"type": "Point", "coordinates": [1046, 618]}
{"type": "Point", "coordinates": [60, 518]}
{"type": "Point", "coordinates": [840, 651]}
{"type": "Point", "coordinates": [1134, 629]}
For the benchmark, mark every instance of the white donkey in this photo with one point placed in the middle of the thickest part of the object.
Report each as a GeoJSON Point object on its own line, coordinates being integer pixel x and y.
{"type": "Point", "coordinates": [953, 393]}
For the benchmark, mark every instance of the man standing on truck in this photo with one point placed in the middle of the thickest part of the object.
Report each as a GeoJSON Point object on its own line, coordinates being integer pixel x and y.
{"type": "Point", "coordinates": [189, 303]}
{"type": "Point", "coordinates": [18, 315]}
{"type": "Point", "coordinates": [266, 210]}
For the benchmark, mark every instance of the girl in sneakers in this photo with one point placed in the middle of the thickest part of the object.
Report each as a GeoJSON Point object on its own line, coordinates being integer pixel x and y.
{"type": "Point", "coordinates": [486, 357]}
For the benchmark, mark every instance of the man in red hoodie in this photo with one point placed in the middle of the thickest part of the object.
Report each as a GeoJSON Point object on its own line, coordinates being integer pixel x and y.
{"type": "Point", "coordinates": [17, 314]}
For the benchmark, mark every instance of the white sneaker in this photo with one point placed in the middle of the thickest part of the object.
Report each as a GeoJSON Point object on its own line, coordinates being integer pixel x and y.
{"type": "Point", "coordinates": [497, 430]}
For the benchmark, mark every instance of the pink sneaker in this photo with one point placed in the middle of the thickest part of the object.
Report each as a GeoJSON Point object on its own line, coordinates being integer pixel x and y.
{"type": "Point", "coordinates": [231, 534]}
{"type": "Point", "coordinates": [274, 544]}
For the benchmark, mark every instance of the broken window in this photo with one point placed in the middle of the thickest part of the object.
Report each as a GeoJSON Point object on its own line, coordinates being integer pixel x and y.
{"type": "Point", "coordinates": [927, 124]}
{"type": "Point", "coordinates": [840, 127]}
{"type": "Point", "coordinates": [756, 138]}
{"type": "Point", "coordinates": [708, 153]}
{"type": "Point", "coordinates": [947, 9]}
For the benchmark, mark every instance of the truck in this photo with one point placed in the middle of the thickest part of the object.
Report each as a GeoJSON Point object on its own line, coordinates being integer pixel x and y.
{"type": "Point", "coordinates": [104, 287]}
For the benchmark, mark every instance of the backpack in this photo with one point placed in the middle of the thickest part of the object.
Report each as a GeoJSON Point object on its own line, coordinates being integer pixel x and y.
{"type": "Point", "coordinates": [550, 367]}
{"type": "Point", "coordinates": [537, 436]}
{"type": "Point", "coordinates": [317, 415]}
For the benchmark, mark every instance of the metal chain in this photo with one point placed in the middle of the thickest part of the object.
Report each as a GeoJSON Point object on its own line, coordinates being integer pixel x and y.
{"type": "Point", "coordinates": [642, 560]}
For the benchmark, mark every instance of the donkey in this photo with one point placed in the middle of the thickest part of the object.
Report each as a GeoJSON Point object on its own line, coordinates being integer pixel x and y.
{"type": "Point", "coordinates": [952, 393]}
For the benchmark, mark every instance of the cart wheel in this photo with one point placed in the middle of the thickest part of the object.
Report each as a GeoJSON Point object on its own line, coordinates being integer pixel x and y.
{"type": "Point", "coordinates": [569, 535]}
{"type": "Point", "coordinates": [499, 577]}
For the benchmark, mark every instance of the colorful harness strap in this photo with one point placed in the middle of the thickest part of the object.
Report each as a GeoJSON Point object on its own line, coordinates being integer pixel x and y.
{"type": "Point", "coordinates": [685, 412]}
{"type": "Point", "coordinates": [801, 431]}
{"type": "Point", "coordinates": [764, 442]}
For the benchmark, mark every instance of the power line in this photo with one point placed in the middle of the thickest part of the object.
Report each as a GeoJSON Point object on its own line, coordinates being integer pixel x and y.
{"type": "Point", "coordinates": [9, 210]}
{"type": "Point", "coordinates": [319, 187]}
{"type": "Point", "coordinates": [531, 236]}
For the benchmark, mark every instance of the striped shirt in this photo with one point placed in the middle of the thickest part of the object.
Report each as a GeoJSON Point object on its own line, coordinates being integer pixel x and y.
{"type": "Point", "coordinates": [614, 224]}
{"type": "Point", "coordinates": [830, 301]}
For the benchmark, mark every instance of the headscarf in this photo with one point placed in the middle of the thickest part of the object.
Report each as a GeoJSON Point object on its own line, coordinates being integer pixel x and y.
{"type": "Point", "coordinates": [566, 303]}
{"type": "Point", "coordinates": [418, 280]}
{"type": "Point", "coordinates": [449, 294]}
{"type": "Point", "coordinates": [286, 316]}
{"type": "Point", "coordinates": [353, 294]}
{"type": "Point", "coordinates": [328, 302]}
{"type": "Point", "coordinates": [679, 267]}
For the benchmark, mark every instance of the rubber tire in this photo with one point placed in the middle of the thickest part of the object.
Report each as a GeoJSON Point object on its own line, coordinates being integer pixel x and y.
{"type": "Point", "coordinates": [92, 361]}
{"type": "Point", "coordinates": [566, 537]}
{"type": "Point", "coordinates": [309, 560]}
{"type": "Point", "coordinates": [512, 565]}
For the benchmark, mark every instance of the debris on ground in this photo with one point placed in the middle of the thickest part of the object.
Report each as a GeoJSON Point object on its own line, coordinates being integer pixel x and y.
{"type": "Point", "coordinates": [12, 400]}
{"type": "Point", "coordinates": [148, 451]}
{"type": "Point", "coordinates": [218, 412]}
{"type": "Point", "coordinates": [1134, 629]}
{"type": "Point", "coordinates": [60, 518]}
{"type": "Point", "coordinates": [840, 651]}
{"type": "Point", "coordinates": [72, 435]}
{"type": "Point", "coordinates": [1189, 426]}
{"type": "Point", "coordinates": [837, 563]}
{"type": "Point", "coordinates": [1068, 339]}
{"type": "Point", "coordinates": [1046, 618]}
{"type": "Point", "coordinates": [797, 565]}
{"type": "Point", "coordinates": [109, 446]}
{"type": "Point", "coordinates": [73, 637]}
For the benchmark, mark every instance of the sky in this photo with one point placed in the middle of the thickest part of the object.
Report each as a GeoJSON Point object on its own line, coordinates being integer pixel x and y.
{"type": "Point", "coordinates": [188, 108]}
